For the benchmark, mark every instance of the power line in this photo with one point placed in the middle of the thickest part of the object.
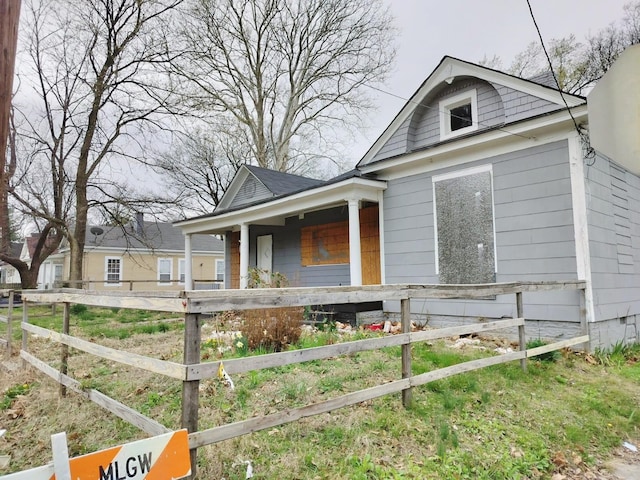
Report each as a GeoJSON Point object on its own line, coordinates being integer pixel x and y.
{"type": "Point", "coordinates": [590, 151]}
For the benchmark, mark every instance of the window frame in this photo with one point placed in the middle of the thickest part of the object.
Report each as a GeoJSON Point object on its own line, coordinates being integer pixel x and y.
{"type": "Point", "coordinates": [107, 283]}
{"type": "Point", "coordinates": [182, 264]}
{"type": "Point", "coordinates": [457, 174]}
{"type": "Point", "coordinates": [450, 103]}
{"type": "Point", "coordinates": [160, 261]}
{"type": "Point", "coordinates": [217, 262]}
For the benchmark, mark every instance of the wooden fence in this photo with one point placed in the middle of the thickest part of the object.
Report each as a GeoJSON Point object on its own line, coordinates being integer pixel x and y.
{"type": "Point", "coordinates": [194, 304]}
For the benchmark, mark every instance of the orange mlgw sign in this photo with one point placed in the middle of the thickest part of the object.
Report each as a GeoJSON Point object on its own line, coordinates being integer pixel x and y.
{"type": "Point", "coordinates": [158, 458]}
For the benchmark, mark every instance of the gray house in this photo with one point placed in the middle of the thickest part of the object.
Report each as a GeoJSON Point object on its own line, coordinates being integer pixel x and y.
{"type": "Point", "coordinates": [481, 177]}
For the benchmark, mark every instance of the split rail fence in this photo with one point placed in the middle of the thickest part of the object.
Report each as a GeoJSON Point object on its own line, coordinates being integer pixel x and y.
{"type": "Point", "coordinates": [195, 304]}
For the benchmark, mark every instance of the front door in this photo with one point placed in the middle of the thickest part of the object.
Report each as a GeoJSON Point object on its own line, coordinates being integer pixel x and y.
{"type": "Point", "coordinates": [264, 260]}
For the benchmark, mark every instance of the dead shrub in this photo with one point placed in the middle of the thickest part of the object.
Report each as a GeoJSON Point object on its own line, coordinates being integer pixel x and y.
{"type": "Point", "coordinates": [272, 328]}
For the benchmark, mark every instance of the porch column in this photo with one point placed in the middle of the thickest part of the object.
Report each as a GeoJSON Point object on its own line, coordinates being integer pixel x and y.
{"type": "Point", "coordinates": [355, 258]}
{"type": "Point", "coordinates": [244, 255]}
{"type": "Point", "coordinates": [188, 264]}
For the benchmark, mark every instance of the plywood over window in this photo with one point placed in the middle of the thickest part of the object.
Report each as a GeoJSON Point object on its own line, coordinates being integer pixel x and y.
{"type": "Point", "coordinates": [328, 244]}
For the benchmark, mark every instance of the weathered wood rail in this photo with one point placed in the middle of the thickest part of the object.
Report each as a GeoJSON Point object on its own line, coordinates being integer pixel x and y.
{"type": "Point", "coordinates": [194, 304]}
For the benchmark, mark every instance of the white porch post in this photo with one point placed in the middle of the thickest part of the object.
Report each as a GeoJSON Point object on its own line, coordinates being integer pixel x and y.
{"type": "Point", "coordinates": [355, 257]}
{"type": "Point", "coordinates": [188, 263]}
{"type": "Point", "coordinates": [244, 255]}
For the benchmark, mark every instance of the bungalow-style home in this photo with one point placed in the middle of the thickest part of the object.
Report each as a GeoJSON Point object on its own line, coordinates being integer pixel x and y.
{"type": "Point", "coordinates": [481, 177]}
{"type": "Point", "coordinates": [145, 255]}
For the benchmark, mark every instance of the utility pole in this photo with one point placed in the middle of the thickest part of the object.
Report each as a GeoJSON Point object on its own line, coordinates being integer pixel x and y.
{"type": "Point", "coordinates": [9, 19]}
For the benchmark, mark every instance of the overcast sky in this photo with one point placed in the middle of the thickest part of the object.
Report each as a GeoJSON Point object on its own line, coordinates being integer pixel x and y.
{"type": "Point", "coordinates": [469, 30]}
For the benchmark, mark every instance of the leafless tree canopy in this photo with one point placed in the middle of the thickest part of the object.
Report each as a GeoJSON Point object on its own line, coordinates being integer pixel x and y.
{"type": "Point", "coordinates": [286, 70]}
{"type": "Point", "coordinates": [97, 93]}
{"type": "Point", "coordinates": [201, 164]}
{"type": "Point", "coordinates": [578, 66]}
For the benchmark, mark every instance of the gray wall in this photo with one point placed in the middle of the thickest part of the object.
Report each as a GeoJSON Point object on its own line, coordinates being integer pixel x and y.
{"type": "Point", "coordinates": [497, 105]}
{"type": "Point", "coordinates": [534, 234]}
{"type": "Point", "coordinates": [286, 250]}
{"type": "Point", "coordinates": [613, 203]}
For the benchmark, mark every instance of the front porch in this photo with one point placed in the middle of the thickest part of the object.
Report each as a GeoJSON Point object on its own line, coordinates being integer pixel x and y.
{"type": "Point", "coordinates": [327, 235]}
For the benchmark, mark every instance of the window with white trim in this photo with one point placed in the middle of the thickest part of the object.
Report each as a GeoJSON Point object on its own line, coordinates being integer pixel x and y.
{"type": "Point", "coordinates": [165, 266]}
{"type": "Point", "coordinates": [220, 270]}
{"type": "Point", "coordinates": [113, 271]}
{"type": "Point", "coordinates": [458, 114]}
{"type": "Point", "coordinates": [464, 226]}
{"type": "Point", "coordinates": [181, 270]}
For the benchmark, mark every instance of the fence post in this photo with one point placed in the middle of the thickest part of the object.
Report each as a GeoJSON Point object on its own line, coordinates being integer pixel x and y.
{"type": "Point", "coordinates": [64, 353]}
{"type": "Point", "coordinates": [405, 313]}
{"type": "Point", "coordinates": [60, 451]}
{"type": "Point", "coordinates": [584, 326]}
{"type": "Point", "coordinates": [521, 333]}
{"type": "Point", "coordinates": [9, 326]}
{"type": "Point", "coordinates": [25, 319]}
{"type": "Point", "coordinates": [190, 388]}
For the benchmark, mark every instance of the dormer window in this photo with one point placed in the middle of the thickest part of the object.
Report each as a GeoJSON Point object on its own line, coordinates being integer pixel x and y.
{"type": "Point", "coordinates": [458, 114]}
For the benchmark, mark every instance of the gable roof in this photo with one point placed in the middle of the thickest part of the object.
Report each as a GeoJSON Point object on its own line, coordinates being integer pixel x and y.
{"type": "Point", "coordinates": [28, 248]}
{"type": "Point", "coordinates": [271, 184]}
{"type": "Point", "coordinates": [152, 236]}
{"type": "Point", "coordinates": [451, 68]}
{"type": "Point", "coordinates": [281, 183]}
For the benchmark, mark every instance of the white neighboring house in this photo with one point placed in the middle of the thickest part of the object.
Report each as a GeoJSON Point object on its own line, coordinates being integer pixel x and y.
{"type": "Point", "coordinates": [9, 276]}
{"type": "Point", "coordinates": [51, 269]}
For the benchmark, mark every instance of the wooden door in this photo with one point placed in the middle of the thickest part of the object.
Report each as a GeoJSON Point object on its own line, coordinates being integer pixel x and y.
{"type": "Point", "coordinates": [370, 245]}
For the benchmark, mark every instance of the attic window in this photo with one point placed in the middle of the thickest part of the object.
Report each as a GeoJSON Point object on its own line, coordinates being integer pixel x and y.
{"type": "Point", "coordinates": [458, 114]}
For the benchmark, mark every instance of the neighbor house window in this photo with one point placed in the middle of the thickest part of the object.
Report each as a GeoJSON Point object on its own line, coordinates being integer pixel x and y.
{"type": "Point", "coordinates": [464, 226]}
{"type": "Point", "coordinates": [164, 271]}
{"type": "Point", "coordinates": [220, 270]}
{"type": "Point", "coordinates": [181, 268]}
{"type": "Point", "coordinates": [458, 114]}
{"type": "Point", "coordinates": [113, 271]}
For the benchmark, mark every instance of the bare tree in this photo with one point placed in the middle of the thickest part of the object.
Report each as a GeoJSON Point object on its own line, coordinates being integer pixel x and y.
{"type": "Point", "coordinates": [96, 65]}
{"type": "Point", "coordinates": [50, 237]}
{"type": "Point", "coordinates": [579, 65]}
{"type": "Point", "coordinates": [286, 70]}
{"type": "Point", "coordinates": [200, 166]}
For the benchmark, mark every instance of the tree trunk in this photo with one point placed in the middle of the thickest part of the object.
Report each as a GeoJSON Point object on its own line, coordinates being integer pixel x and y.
{"type": "Point", "coordinates": [76, 253]}
{"type": "Point", "coordinates": [9, 18]}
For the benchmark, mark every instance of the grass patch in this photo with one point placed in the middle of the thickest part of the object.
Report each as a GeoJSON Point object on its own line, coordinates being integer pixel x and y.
{"type": "Point", "coordinates": [495, 423]}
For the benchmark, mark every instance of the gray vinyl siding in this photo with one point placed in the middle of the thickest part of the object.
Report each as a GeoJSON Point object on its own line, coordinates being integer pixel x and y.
{"type": "Point", "coordinates": [534, 233]}
{"type": "Point", "coordinates": [519, 105]}
{"type": "Point", "coordinates": [287, 254]}
{"type": "Point", "coordinates": [397, 144]}
{"type": "Point", "coordinates": [497, 105]}
{"type": "Point", "coordinates": [613, 216]}
{"type": "Point", "coordinates": [242, 197]}
{"type": "Point", "coordinates": [425, 125]}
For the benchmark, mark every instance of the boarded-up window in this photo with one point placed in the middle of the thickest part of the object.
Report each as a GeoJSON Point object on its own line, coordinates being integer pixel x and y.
{"type": "Point", "coordinates": [464, 226]}
{"type": "Point", "coordinates": [326, 244]}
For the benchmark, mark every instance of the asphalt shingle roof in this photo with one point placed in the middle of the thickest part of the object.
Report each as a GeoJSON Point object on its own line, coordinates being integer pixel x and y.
{"type": "Point", "coordinates": [280, 183]}
{"type": "Point", "coordinates": [154, 235]}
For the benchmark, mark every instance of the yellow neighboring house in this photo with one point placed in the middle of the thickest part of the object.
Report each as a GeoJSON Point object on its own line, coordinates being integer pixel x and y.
{"type": "Point", "coordinates": [145, 256]}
